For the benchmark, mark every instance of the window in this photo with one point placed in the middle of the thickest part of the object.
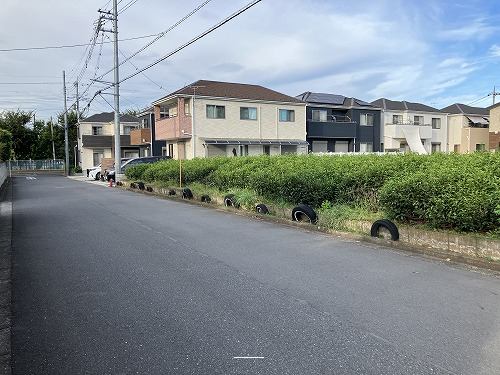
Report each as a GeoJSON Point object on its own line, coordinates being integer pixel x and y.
{"type": "Point", "coordinates": [163, 112]}
{"type": "Point", "coordinates": [480, 147]}
{"type": "Point", "coordinates": [286, 115]}
{"type": "Point", "coordinates": [127, 129]}
{"type": "Point", "coordinates": [418, 120]}
{"type": "Point", "coordinates": [436, 123]}
{"type": "Point", "coordinates": [96, 130]}
{"type": "Point", "coordinates": [366, 147]}
{"type": "Point", "coordinates": [397, 119]}
{"type": "Point", "coordinates": [318, 115]}
{"type": "Point", "coordinates": [366, 119]}
{"type": "Point", "coordinates": [187, 107]}
{"type": "Point", "coordinates": [435, 147]}
{"type": "Point", "coordinates": [216, 111]}
{"type": "Point", "coordinates": [97, 156]}
{"type": "Point", "coordinates": [248, 113]}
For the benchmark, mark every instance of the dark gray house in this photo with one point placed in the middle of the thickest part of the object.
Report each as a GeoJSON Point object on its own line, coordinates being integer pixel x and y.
{"type": "Point", "coordinates": [335, 123]}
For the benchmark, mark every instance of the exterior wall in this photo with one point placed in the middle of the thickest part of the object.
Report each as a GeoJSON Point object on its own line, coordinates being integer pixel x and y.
{"type": "Point", "coordinates": [86, 153]}
{"type": "Point", "coordinates": [429, 137]}
{"type": "Point", "coordinates": [494, 128]}
{"type": "Point", "coordinates": [472, 137]}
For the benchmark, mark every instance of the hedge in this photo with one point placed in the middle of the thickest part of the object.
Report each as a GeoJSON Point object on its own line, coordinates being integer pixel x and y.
{"type": "Point", "coordinates": [441, 190]}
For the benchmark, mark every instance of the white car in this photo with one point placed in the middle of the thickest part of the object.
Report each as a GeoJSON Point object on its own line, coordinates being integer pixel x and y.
{"type": "Point", "coordinates": [94, 172]}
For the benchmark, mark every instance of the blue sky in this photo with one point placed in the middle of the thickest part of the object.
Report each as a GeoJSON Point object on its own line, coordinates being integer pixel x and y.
{"type": "Point", "coordinates": [433, 52]}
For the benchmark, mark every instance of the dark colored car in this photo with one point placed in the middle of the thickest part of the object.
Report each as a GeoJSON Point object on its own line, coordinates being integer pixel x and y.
{"type": "Point", "coordinates": [110, 173]}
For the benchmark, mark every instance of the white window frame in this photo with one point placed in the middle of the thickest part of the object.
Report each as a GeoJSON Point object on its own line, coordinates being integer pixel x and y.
{"type": "Point", "coordinates": [366, 118]}
{"type": "Point", "coordinates": [216, 111]}
{"type": "Point", "coordinates": [366, 147]}
{"type": "Point", "coordinates": [418, 120]}
{"type": "Point", "coordinates": [286, 115]}
{"type": "Point", "coordinates": [319, 115]}
{"type": "Point", "coordinates": [96, 130]}
{"type": "Point", "coordinates": [251, 113]}
{"type": "Point", "coordinates": [436, 123]}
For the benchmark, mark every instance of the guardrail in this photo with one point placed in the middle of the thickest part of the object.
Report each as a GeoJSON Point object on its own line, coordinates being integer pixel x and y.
{"type": "Point", "coordinates": [3, 173]}
{"type": "Point", "coordinates": [19, 166]}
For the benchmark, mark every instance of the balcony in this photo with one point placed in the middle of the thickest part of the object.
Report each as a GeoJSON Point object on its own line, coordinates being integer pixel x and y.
{"type": "Point", "coordinates": [399, 131]}
{"type": "Point", "coordinates": [140, 137]}
{"type": "Point", "coordinates": [335, 127]}
{"type": "Point", "coordinates": [173, 128]}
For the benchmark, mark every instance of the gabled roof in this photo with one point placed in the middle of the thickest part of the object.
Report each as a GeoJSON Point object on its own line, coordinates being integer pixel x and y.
{"type": "Point", "coordinates": [332, 99]}
{"type": "Point", "coordinates": [231, 91]}
{"type": "Point", "coordinates": [107, 117]}
{"type": "Point", "coordinates": [391, 105]}
{"type": "Point", "coordinates": [462, 109]}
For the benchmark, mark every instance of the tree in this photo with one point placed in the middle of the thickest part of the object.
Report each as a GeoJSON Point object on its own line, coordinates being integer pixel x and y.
{"type": "Point", "coordinates": [23, 136]}
{"type": "Point", "coordinates": [5, 144]}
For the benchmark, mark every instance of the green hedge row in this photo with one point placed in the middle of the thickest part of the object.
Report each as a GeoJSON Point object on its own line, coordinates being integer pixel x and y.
{"type": "Point", "coordinates": [441, 190]}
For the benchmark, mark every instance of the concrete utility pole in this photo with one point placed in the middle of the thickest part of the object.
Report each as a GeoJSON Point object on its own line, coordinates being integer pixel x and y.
{"type": "Point", "coordinates": [66, 141]}
{"type": "Point", "coordinates": [116, 94]}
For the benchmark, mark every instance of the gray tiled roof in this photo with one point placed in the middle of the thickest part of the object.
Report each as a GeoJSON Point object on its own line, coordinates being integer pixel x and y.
{"type": "Point", "coordinates": [392, 105]}
{"type": "Point", "coordinates": [232, 91]}
{"type": "Point", "coordinates": [107, 117]}
{"type": "Point", "coordinates": [457, 109]}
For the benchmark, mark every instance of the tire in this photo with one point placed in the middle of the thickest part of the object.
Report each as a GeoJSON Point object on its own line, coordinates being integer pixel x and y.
{"type": "Point", "coordinates": [229, 200]}
{"type": "Point", "coordinates": [140, 185]}
{"type": "Point", "coordinates": [187, 194]}
{"type": "Point", "coordinates": [261, 209]}
{"type": "Point", "coordinates": [171, 192]}
{"type": "Point", "coordinates": [387, 224]}
{"type": "Point", "coordinates": [206, 199]}
{"type": "Point", "coordinates": [149, 189]}
{"type": "Point", "coordinates": [98, 176]}
{"type": "Point", "coordinates": [303, 212]}
{"type": "Point", "coordinates": [133, 185]}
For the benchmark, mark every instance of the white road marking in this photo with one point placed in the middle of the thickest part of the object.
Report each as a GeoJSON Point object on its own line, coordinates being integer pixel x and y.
{"type": "Point", "coordinates": [248, 357]}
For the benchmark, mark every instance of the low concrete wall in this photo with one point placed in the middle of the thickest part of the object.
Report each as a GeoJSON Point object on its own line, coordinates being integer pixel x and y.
{"type": "Point", "coordinates": [3, 173]}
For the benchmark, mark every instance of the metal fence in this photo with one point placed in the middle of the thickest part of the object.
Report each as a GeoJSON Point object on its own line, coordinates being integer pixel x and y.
{"type": "Point", "coordinates": [36, 165]}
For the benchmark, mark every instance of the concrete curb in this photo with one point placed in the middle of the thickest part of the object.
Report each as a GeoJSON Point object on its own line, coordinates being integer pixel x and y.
{"type": "Point", "coordinates": [5, 276]}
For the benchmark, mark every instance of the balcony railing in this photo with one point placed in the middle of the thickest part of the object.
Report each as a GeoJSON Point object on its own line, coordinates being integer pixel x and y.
{"type": "Point", "coordinates": [333, 118]}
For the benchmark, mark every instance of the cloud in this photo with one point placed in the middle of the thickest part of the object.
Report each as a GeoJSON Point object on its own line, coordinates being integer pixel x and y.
{"type": "Point", "coordinates": [495, 50]}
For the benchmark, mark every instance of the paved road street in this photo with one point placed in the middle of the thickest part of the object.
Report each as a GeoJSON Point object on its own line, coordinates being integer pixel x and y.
{"type": "Point", "coordinates": [106, 281]}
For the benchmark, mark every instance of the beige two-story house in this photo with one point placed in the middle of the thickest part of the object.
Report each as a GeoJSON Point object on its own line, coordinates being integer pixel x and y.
{"type": "Point", "coordinates": [210, 118]}
{"type": "Point", "coordinates": [468, 128]}
{"type": "Point", "coordinates": [96, 138]}
{"type": "Point", "coordinates": [494, 131]}
{"type": "Point", "coordinates": [412, 127]}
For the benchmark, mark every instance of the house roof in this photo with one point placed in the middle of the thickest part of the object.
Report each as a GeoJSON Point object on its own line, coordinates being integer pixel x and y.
{"type": "Point", "coordinates": [462, 109]}
{"type": "Point", "coordinates": [107, 117]}
{"type": "Point", "coordinates": [392, 105]}
{"type": "Point", "coordinates": [231, 91]}
{"type": "Point", "coordinates": [332, 99]}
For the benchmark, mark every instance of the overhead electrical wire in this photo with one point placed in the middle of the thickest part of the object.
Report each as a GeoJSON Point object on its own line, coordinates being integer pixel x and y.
{"type": "Point", "coordinates": [210, 30]}
{"type": "Point", "coordinates": [132, 2]}
{"type": "Point", "coordinates": [158, 37]}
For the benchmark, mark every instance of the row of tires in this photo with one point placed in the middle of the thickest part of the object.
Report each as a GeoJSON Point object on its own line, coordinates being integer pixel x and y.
{"type": "Point", "coordinates": [301, 212]}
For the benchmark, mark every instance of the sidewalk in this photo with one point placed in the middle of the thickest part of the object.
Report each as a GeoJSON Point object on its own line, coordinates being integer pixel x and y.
{"type": "Point", "coordinates": [5, 274]}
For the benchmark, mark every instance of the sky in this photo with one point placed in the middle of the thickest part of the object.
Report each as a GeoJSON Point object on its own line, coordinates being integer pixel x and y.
{"type": "Point", "coordinates": [434, 52]}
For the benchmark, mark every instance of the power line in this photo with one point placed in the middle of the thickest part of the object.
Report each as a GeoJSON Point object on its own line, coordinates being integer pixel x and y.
{"type": "Point", "coordinates": [132, 2]}
{"type": "Point", "coordinates": [159, 36]}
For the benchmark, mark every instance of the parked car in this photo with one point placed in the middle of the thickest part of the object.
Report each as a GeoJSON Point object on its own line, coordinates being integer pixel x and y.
{"type": "Point", "coordinates": [110, 173]}
{"type": "Point", "coordinates": [94, 172]}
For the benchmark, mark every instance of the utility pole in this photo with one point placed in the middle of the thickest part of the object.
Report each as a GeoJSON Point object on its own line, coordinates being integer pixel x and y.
{"type": "Point", "coordinates": [66, 146]}
{"type": "Point", "coordinates": [118, 161]}
{"type": "Point", "coordinates": [114, 17]}
{"type": "Point", "coordinates": [77, 122]}
{"type": "Point", "coordinates": [52, 133]}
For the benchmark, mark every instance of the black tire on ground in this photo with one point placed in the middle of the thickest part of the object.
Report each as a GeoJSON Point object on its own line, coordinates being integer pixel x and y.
{"type": "Point", "coordinates": [387, 224]}
{"type": "Point", "coordinates": [303, 212]}
{"type": "Point", "coordinates": [140, 185]}
{"type": "Point", "coordinates": [187, 194]}
{"type": "Point", "coordinates": [229, 200]}
{"type": "Point", "coordinates": [98, 176]}
{"type": "Point", "coordinates": [149, 188]}
{"type": "Point", "coordinates": [206, 199]}
{"type": "Point", "coordinates": [133, 185]}
{"type": "Point", "coordinates": [261, 209]}
{"type": "Point", "coordinates": [171, 192]}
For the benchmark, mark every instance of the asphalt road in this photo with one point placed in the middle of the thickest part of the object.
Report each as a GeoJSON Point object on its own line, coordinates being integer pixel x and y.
{"type": "Point", "coordinates": [106, 281]}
